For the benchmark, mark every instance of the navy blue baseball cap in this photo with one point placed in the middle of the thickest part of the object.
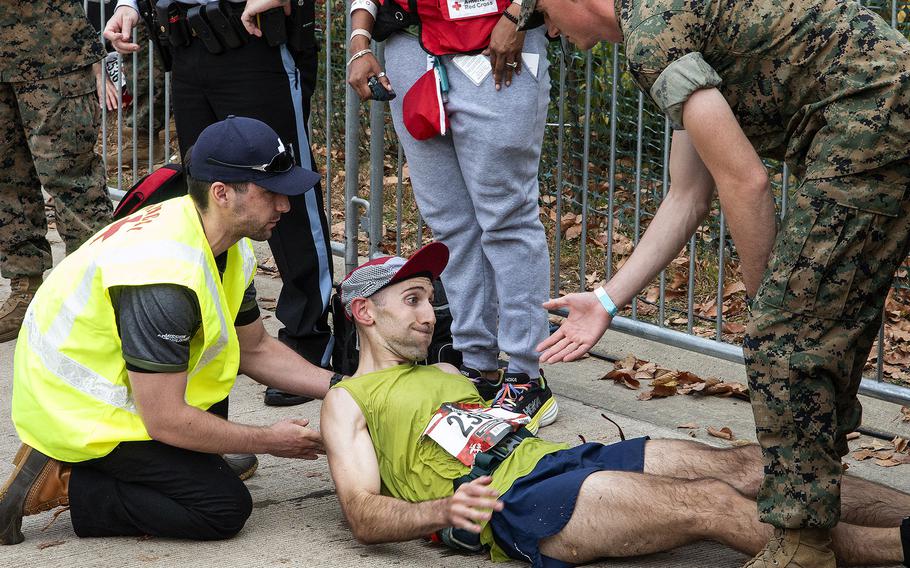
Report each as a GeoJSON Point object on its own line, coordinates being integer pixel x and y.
{"type": "Point", "coordinates": [240, 149]}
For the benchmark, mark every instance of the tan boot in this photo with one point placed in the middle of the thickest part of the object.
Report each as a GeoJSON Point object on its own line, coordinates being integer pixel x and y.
{"type": "Point", "coordinates": [12, 312]}
{"type": "Point", "coordinates": [38, 484]}
{"type": "Point", "coordinates": [796, 548]}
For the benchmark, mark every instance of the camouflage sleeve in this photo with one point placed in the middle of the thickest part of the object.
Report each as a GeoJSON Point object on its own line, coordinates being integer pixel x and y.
{"type": "Point", "coordinates": [663, 50]}
{"type": "Point", "coordinates": [678, 81]}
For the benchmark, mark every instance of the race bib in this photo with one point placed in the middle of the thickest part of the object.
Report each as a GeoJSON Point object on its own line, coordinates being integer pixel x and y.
{"type": "Point", "coordinates": [458, 9]}
{"type": "Point", "coordinates": [465, 430]}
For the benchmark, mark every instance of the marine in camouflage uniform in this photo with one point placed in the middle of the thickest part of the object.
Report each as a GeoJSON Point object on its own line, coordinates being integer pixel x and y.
{"type": "Point", "coordinates": [49, 119]}
{"type": "Point", "coordinates": [825, 86]}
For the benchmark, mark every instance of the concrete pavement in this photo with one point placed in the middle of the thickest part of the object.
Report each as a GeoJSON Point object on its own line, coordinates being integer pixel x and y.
{"type": "Point", "coordinates": [297, 522]}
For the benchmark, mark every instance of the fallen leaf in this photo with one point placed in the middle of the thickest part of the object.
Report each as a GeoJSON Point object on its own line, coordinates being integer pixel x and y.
{"type": "Point", "coordinates": [573, 232]}
{"type": "Point", "coordinates": [647, 367]}
{"type": "Point", "coordinates": [733, 327]}
{"type": "Point", "coordinates": [900, 444]}
{"type": "Point", "coordinates": [687, 378]}
{"type": "Point", "coordinates": [663, 391]}
{"type": "Point", "coordinates": [724, 433]}
{"type": "Point", "coordinates": [653, 294]}
{"type": "Point", "coordinates": [626, 363]}
{"type": "Point", "coordinates": [884, 454]}
{"type": "Point", "coordinates": [687, 389]}
{"type": "Point", "coordinates": [624, 377]}
{"type": "Point", "coordinates": [863, 454]}
{"type": "Point", "coordinates": [733, 288]}
{"type": "Point", "coordinates": [887, 463]}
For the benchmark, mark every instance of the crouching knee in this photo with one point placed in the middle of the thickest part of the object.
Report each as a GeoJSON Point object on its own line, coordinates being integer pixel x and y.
{"type": "Point", "coordinates": [228, 515]}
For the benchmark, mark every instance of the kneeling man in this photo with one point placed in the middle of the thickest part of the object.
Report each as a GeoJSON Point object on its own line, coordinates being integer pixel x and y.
{"type": "Point", "coordinates": [410, 452]}
{"type": "Point", "coordinates": [139, 332]}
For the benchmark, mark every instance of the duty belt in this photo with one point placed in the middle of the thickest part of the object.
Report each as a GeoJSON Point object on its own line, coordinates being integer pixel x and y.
{"type": "Point", "coordinates": [217, 24]}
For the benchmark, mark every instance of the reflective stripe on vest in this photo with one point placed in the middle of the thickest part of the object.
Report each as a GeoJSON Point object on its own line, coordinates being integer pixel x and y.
{"type": "Point", "coordinates": [69, 335]}
{"type": "Point", "coordinates": [47, 345]}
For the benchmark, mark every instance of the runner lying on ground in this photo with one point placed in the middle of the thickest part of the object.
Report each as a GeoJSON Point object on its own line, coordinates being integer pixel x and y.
{"type": "Point", "coordinates": [543, 503]}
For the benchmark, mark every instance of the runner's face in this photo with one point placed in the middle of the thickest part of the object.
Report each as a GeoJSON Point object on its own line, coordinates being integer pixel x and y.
{"type": "Point", "coordinates": [405, 318]}
{"type": "Point", "coordinates": [257, 211]}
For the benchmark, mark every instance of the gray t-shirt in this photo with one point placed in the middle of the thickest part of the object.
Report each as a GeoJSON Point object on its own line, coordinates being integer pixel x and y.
{"type": "Point", "coordinates": [156, 323]}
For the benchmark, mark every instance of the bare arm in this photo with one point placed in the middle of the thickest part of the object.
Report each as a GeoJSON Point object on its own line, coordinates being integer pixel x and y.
{"type": "Point", "coordinates": [681, 212]}
{"type": "Point", "coordinates": [169, 419]}
{"type": "Point", "coordinates": [272, 363]}
{"type": "Point", "coordinates": [742, 180]}
{"type": "Point", "coordinates": [355, 472]}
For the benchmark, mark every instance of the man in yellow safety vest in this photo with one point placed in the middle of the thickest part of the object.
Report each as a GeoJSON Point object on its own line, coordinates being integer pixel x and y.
{"type": "Point", "coordinates": [139, 332]}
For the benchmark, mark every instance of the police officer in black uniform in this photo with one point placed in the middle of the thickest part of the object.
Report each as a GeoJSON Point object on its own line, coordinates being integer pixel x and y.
{"type": "Point", "coordinates": [264, 69]}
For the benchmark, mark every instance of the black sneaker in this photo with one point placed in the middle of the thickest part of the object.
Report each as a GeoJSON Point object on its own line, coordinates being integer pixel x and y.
{"type": "Point", "coordinates": [244, 465]}
{"type": "Point", "coordinates": [487, 388]}
{"type": "Point", "coordinates": [277, 397]}
{"type": "Point", "coordinates": [522, 394]}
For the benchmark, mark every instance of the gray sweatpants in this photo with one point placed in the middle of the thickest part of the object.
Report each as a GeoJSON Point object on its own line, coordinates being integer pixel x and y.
{"type": "Point", "coordinates": [477, 189]}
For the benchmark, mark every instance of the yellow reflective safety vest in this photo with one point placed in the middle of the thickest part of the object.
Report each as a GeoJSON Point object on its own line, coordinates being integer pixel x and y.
{"type": "Point", "coordinates": [71, 394]}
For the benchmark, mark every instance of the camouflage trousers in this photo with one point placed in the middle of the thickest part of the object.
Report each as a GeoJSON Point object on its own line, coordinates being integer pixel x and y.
{"type": "Point", "coordinates": [142, 97]}
{"type": "Point", "coordinates": [814, 320]}
{"type": "Point", "coordinates": [48, 130]}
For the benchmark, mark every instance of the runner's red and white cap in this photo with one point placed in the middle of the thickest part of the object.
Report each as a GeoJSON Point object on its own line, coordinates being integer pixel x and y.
{"type": "Point", "coordinates": [371, 277]}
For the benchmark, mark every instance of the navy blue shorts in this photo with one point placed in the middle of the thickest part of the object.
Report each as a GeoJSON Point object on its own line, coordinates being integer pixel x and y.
{"type": "Point", "coordinates": [540, 504]}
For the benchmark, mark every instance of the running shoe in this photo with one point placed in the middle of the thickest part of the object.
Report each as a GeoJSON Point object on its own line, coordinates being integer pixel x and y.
{"type": "Point", "coordinates": [488, 389]}
{"type": "Point", "coordinates": [522, 394]}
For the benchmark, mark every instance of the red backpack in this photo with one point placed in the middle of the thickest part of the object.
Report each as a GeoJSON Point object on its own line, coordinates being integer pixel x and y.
{"type": "Point", "coordinates": [162, 184]}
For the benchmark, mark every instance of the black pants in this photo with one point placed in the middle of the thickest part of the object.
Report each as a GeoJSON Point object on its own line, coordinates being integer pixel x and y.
{"type": "Point", "coordinates": [274, 85]}
{"type": "Point", "coordinates": [150, 488]}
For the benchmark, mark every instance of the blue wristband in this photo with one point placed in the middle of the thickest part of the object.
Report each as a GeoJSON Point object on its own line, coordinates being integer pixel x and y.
{"type": "Point", "coordinates": [606, 301]}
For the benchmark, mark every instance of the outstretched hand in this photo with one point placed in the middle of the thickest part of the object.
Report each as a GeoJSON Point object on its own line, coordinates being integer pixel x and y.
{"type": "Point", "coordinates": [587, 322]}
{"type": "Point", "coordinates": [472, 503]}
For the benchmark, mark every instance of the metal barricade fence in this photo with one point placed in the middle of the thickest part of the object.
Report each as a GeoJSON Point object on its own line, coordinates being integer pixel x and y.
{"type": "Point", "coordinates": [604, 171]}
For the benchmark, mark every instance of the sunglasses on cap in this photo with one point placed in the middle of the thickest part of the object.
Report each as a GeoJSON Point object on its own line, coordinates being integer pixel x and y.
{"type": "Point", "coordinates": [280, 163]}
